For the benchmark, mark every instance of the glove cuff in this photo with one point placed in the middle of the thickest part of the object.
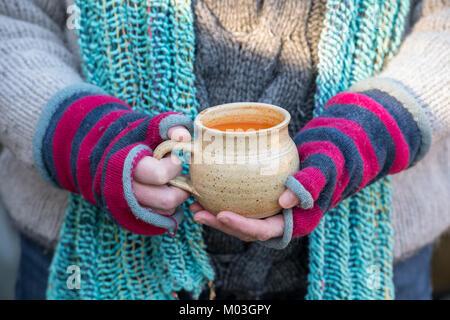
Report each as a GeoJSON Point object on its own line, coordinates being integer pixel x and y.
{"type": "Point", "coordinates": [283, 241]}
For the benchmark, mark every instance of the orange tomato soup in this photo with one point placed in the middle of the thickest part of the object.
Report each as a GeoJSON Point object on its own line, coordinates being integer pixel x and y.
{"type": "Point", "coordinates": [240, 126]}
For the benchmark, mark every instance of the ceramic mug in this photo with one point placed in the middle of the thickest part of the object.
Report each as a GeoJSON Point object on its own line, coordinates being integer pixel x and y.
{"type": "Point", "coordinates": [240, 171]}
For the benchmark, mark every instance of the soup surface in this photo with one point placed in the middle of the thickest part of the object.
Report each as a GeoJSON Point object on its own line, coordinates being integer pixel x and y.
{"type": "Point", "coordinates": [240, 126]}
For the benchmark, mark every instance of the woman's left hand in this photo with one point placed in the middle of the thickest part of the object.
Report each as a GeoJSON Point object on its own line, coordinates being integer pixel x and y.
{"type": "Point", "coordinates": [247, 229]}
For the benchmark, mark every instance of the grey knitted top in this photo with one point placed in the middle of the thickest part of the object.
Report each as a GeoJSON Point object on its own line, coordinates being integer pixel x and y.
{"type": "Point", "coordinates": [246, 50]}
{"type": "Point", "coordinates": [257, 51]}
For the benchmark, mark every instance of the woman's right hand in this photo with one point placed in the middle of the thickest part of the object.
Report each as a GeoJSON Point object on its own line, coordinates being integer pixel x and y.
{"type": "Point", "coordinates": [150, 178]}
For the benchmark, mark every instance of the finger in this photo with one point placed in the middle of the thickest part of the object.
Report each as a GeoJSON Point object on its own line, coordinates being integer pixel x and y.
{"type": "Point", "coordinates": [152, 171]}
{"type": "Point", "coordinates": [195, 207]}
{"type": "Point", "coordinates": [210, 220]}
{"type": "Point", "coordinates": [259, 229]}
{"type": "Point", "coordinates": [288, 199]}
{"type": "Point", "coordinates": [179, 133]}
{"type": "Point", "coordinates": [161, 197]}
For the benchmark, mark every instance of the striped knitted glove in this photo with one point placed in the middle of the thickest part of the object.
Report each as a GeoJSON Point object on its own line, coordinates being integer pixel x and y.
{"type": "Point", "coordinates": [89, 143]}
{"type": "Point", "coordinates": [359, 138]}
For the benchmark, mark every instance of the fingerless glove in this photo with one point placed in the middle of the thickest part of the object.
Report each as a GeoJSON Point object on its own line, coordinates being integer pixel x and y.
{"type": "Point", "coordinates": [89, 143]}
{"type": "Point", "coordinates": [359, 138]}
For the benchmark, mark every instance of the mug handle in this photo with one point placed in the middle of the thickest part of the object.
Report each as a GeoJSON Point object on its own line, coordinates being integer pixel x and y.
{"type": "Point", "coordinates": [182, 182]}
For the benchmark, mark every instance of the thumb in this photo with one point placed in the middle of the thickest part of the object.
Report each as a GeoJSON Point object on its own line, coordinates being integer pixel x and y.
{"type": "Point", "coordinates": [179, 133]}
{"type": "Point", "coordinates": [288, 199]}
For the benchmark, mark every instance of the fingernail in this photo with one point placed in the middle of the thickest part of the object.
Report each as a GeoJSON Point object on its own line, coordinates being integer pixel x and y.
{"type": "Point", "coordinates": [284, 202]}
{"type": "Point", "coordinates": [198, 220]}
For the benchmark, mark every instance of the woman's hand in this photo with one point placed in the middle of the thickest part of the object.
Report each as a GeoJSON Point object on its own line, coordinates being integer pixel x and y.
{"type": "Point", "coordinates": [247, 229]}
{"type": "Point", "coordinates": [150, 178]}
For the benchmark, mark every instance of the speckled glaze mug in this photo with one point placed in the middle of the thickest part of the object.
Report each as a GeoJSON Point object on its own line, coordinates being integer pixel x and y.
{"type": "Point", "coordinates": [239, 171]}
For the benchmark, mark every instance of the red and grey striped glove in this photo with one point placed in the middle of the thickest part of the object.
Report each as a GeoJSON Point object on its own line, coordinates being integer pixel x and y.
{"type": "Point", "coordinates": [359, 138]}
{"type": "Point", "coordinates": [88, 142]}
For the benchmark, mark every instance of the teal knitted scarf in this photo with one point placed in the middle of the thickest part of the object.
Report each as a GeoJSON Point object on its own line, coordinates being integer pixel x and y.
{"type": "Point", "coordinates": [142, 52]}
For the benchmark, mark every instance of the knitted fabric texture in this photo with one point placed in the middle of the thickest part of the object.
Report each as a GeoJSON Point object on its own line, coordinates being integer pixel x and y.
{"type": "Point", "coordinates": [89, 143]}
{"type": "Point", "coordinates": [274, 42]}
{"type": "Point", "coordinates": [358, 139]}
{"type": "Point", "coordinates": [350, 252]}
{"type": "Point", "coordinates": [153, 74]}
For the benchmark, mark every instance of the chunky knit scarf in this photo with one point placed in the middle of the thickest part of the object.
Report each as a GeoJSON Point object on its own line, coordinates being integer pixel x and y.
{"type": "Point", "coordinates": [142, 52]}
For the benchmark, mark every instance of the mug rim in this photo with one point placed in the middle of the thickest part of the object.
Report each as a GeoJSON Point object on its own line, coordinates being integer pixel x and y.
{"type": "Point", "coordinates": [281, 125]}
